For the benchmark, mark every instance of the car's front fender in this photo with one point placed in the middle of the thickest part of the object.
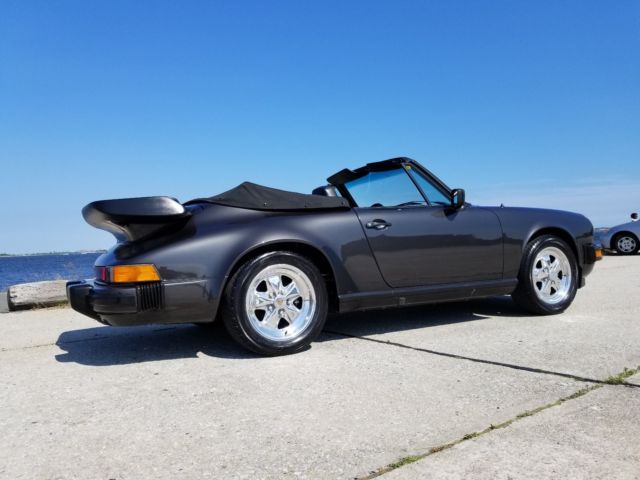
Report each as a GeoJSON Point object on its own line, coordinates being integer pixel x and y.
{"type": "Point", "coordinates": [520, 225]}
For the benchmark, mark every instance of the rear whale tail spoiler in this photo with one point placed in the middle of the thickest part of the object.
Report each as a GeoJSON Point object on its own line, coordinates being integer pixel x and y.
{"type": "Point", "coordinates": [130, 219]}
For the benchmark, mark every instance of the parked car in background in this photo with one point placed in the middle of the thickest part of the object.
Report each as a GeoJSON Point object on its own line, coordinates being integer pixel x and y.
{"type": "Point", "coordinates": [624, 238]}
{"type": "Point", "coordinates": [270, 264]}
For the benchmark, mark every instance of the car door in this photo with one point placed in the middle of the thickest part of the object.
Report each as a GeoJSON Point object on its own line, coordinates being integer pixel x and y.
{"type": "Point", "coordinates": [415, 235]}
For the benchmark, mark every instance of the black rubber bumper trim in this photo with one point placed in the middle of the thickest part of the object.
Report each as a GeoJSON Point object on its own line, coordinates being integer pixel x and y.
{"type": "Point", "coordinates": [93, 299]}
{"type": "Point", "coordinates": [109, 300]}
{"type": "Point", "coordinates": [79, 294]}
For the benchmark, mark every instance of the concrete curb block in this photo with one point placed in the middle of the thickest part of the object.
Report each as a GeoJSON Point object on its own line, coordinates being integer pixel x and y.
{"type": "Point", "coordinates": [36, 295]}
{"type": "Point", "coordinates": [4, 302]}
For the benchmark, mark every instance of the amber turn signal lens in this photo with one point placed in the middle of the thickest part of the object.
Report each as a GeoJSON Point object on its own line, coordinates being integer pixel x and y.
{"type": "Point", "coordinates": [598, 253]}
{"type": "Point", "coordinates": [134, 273]}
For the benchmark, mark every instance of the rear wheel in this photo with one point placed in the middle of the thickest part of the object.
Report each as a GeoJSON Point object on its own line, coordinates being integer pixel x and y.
{"type": "Point", "coordinates": [548, 278]}
{"type": "Point", "coordinates": [276, 304]}
{"type": "Point", "coordinates": [625, 243]}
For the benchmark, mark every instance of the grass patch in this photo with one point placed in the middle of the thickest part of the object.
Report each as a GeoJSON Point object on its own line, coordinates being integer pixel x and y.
{"type": "Point", "coordinates": [405, 461]}
{"type": "Point", "coordinates": [620, 379]}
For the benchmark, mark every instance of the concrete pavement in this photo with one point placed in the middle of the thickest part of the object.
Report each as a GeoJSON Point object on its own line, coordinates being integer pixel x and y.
{"type": "Point", "coordinates": [591, 437]}
{"type": "Point", "coordinates": [80, 400]}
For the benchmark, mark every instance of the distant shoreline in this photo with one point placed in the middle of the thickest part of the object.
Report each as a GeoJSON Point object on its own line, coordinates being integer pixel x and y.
{"type": "Point", "coordinates": [40, 254]}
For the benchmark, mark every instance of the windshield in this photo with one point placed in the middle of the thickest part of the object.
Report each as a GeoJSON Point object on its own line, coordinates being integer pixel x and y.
{"type": "Point", "coordinates": [389, 188]}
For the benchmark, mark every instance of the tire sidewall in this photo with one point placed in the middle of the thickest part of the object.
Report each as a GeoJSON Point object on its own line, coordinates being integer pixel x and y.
{"type": "Point", "coordinates": [527, 265]}
{"type": "Point", "coordinates": [238, 291]}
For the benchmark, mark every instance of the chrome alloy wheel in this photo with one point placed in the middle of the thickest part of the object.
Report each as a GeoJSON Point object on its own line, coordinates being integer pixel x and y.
{"type": "Point", "coordinates": [280, 302]}
{"type": "Point", "coordinates": [626, 244]}
{"type": "Point", "coordinates": [551, 275]}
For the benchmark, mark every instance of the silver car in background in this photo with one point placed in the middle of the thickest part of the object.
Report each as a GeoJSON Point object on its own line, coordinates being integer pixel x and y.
{"type": "Point", "coordinates": [622, 239]}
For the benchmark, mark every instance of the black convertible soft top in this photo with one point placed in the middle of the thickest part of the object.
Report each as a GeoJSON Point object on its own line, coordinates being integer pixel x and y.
{"type": "Point", "coordinates": [258, 197]}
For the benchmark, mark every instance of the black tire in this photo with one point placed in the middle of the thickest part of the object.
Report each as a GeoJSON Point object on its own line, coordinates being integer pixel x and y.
{"type": "Point", "coordinates": [528, 292]}
{"type": "Point", "coordinates": [631, 239]}
{"type": "Point", "coordinates": [241, 324]}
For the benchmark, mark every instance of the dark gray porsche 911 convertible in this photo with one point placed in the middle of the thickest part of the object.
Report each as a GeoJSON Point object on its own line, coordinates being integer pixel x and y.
{"type": "Point", "coordinates": [270, 264]}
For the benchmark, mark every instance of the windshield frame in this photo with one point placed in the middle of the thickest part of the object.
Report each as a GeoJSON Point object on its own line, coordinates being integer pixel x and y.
{"type": "Point", "coordinates": [405, 164]}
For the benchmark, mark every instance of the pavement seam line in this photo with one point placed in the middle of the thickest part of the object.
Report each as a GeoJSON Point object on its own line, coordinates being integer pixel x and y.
{"type": "Point", "coordinates": [618, 379]}
{"type": "Point", "coordinates": [477, 360]}
{"type": "Point", "coordinates": [28, 347]}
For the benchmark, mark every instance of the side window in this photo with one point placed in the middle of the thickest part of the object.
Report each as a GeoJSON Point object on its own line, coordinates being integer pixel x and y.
{"type": "Point", "coordinates": [389, 188]}
{"type": "Point", "coordinates": [433, 193]}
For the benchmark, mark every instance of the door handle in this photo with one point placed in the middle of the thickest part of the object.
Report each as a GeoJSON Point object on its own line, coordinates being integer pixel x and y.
{"type": "Point", "coordinates": [378, 224]}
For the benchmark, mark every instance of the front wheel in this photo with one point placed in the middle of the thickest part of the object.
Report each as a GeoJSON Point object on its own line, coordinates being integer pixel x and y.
{"type": "Point", "coordinates": [276, 304]}
{"type": "Point", "coordinates": [548, 278]}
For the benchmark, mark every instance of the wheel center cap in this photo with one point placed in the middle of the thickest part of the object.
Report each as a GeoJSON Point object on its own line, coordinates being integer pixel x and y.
{"type": "Point", "coordinates": [279, 301]}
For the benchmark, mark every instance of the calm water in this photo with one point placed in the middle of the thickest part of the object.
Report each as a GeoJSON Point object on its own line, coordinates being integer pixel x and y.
{"type": "Point", "coordinates": [74, 266]}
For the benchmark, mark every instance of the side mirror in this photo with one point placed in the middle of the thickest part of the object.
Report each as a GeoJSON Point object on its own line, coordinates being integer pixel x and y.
{"type": "Point", "coordinates": [634, 216]}
{"type": "Point", "coordinates": [457, 198]}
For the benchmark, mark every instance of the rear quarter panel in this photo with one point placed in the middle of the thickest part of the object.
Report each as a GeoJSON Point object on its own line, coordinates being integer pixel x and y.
{"type": "Point", "coordinates": [204, 253]}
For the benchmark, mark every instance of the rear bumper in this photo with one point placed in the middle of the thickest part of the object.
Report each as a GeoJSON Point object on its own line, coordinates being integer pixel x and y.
{"type": "Point", "coordinates": [145, 303]}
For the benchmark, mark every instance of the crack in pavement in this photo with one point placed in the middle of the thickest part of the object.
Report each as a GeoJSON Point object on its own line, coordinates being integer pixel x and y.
{"type": "Point", "coordinates": [2, 350]}
{"type": "Point", "coordinates": [614, 380]}
{"type": "Point", "coordinates": [479, 360]}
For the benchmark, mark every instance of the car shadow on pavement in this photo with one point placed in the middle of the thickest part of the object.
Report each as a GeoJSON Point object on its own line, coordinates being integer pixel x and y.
{"type": "Point", "coordinates": [104, 346]}
{"type": "Point", "coordinates": [409, 318]}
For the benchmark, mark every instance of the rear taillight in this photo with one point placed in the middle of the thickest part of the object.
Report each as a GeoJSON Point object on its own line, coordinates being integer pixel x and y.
{"type": "Point", "coordinates": [102, 274]}
{"type": "Point", "coordinates": [128, 274]}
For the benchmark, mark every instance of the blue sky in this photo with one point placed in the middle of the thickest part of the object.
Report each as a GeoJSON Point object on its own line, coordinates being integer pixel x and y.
{"type": "Point", "coordinates": [526, 103]}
